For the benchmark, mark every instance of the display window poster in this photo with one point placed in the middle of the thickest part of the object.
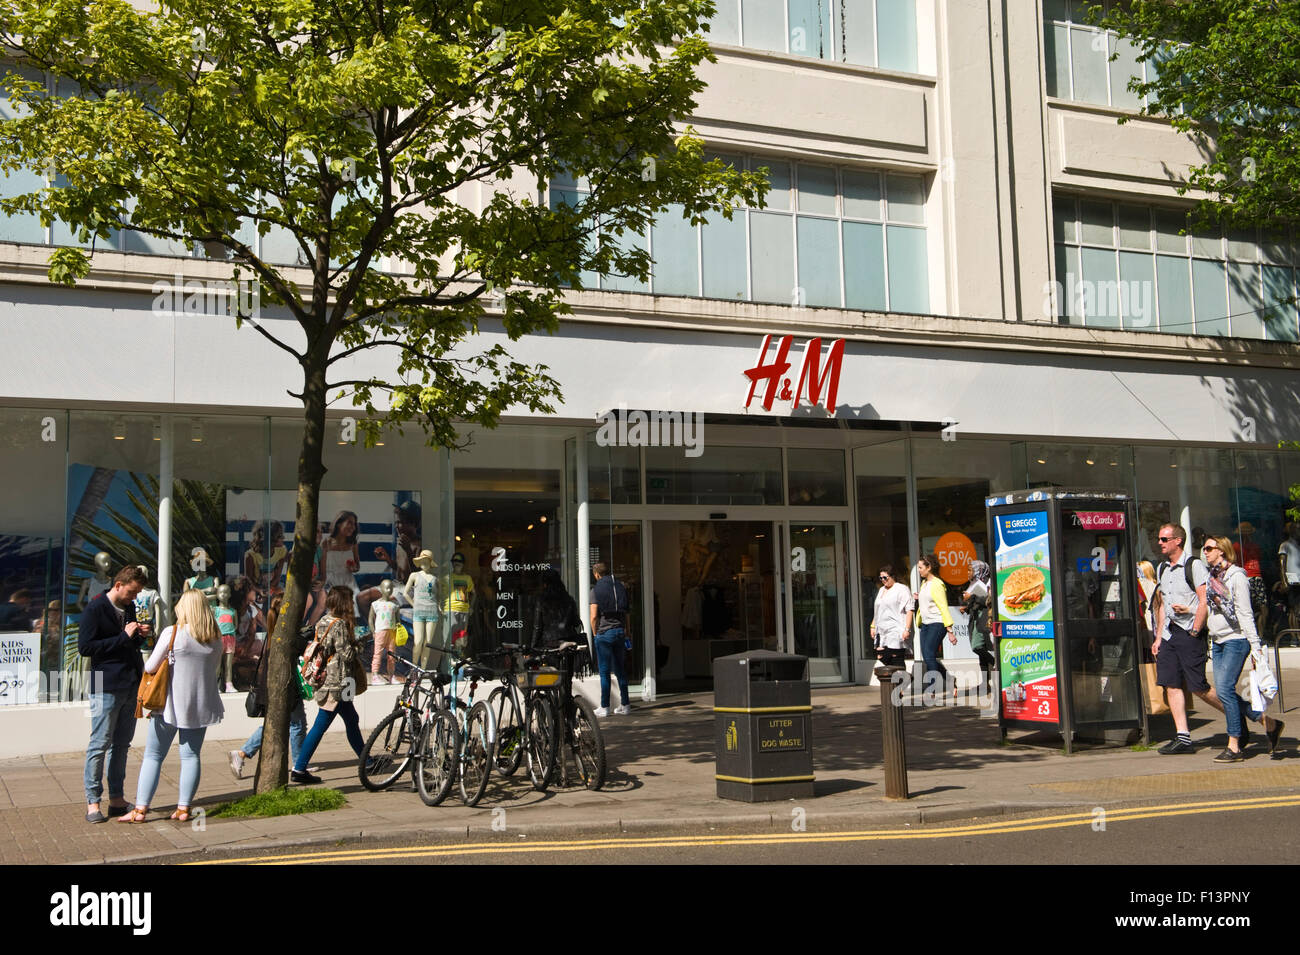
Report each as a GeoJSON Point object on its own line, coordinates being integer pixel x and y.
{"type": "Point", "coordinates": [1024, 607]}
{"type": "Point", "coordinates": [19, 668]}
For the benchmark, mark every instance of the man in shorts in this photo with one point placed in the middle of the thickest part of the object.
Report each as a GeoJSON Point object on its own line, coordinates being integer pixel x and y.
{"type": "Point", "coordinates": [1179, 648]}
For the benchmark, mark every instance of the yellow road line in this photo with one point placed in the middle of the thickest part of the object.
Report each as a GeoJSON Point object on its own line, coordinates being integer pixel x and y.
{"type": "Point", "coordinates": [698, 841]}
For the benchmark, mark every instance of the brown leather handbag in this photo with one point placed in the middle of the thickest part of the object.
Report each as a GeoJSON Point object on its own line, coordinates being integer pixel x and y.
{"type": "Point", "coordinates": [152, 694]}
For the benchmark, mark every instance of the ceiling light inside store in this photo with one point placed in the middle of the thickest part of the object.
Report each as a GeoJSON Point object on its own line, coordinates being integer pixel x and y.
{"type": "Point", "coordinates": [1114, 464]}
{"type": "Point", "coordinates": [1090, 461]}
{"type": "Point", "coordinates": [458, 538]}
{"type": "Point", "coordinates": [530, 527]}
{"type": "Point", "coordinates": [119, 429]}
{"type": "Point", "coordinates": [542, 518]}
{"type": "Point", "coordinates": [1042, 460]}
{"type": "Point", "coordinates": [196, 431]}
{"type": "Point", "coordinates": [157, 431]}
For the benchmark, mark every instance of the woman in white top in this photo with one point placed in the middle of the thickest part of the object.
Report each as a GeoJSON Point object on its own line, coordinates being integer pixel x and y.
{"type": "Point", "coordinates": [192, 703]}
{"type": "Point", "coordinates": [1232, 628]}
{"type": "Point", "coordinates": [891, 623]}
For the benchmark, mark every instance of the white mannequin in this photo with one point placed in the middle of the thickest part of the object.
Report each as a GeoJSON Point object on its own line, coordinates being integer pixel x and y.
{"type": "Point", "coordinates": [209, 581]}
{"type": "Point", "coordinates": [383, 624]}
{"type": "Point", "coordinates": [97, 583]}
{"type": "Point", "coordinates": [422, 591]}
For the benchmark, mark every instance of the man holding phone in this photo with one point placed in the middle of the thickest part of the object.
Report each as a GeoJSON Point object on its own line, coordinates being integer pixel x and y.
{"type": "Point", "coordinates": [110, 636]}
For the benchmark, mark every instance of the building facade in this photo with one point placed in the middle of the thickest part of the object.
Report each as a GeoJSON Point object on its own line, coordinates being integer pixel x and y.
{"type": "Point", "coordinates": [952, 199]}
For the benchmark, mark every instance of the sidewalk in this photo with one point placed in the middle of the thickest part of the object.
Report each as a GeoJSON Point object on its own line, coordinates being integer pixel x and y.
{"type": "Point", "coordinates": [661, 775]}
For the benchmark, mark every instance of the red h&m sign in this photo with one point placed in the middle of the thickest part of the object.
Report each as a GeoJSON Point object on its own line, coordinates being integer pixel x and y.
{"type": "Point", "coordinates": [819, 384]}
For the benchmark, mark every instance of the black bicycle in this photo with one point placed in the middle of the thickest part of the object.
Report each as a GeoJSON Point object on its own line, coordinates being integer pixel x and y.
{"type": "Point", "coordinates": [525, 715]}
{"type": "Point", "coordinates": [578, 731]}
{"type": "Point", "coordinates": [397, 743]}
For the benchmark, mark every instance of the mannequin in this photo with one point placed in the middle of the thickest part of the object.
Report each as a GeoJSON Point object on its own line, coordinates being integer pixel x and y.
{"type": "Point", "coordinates": [422, 591]}
{"type": "Point", "coordinates": [457, 604]}
{"type": "Point", "coordinates": [98, 582]}
{"type": "Point", "coordinates": [203, 580]}
{"type": "Point", "coordinates": [227, 623]}
{"type": "Point", "coordinates": [149, 610]}
{"type": "Point", "coordinates": [383, 623]}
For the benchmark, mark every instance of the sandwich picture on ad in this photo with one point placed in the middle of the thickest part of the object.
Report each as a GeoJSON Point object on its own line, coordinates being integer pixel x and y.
{"type": "Point", "coordinates": [1023, 589]}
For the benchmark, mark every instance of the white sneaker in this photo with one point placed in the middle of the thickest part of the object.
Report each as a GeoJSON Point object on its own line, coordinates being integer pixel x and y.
{"type": "Point", "coordinates": [230, 688]}
{"type": "Point", "coordinates": [601, 712]}
{"type": "Point", "coordinates": [622, 710]}
{"type": "Point", "coordinates": [237, 763]}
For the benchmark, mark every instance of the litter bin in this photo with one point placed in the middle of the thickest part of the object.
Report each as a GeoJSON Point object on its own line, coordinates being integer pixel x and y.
{"type": "Point", "coordinates": [762, 708]}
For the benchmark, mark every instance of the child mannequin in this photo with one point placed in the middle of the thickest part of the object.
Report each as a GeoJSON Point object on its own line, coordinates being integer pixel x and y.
{"type": "Point", "coordinates": [227, 623]}
{"type": "Point", "coordinates": [383, 621]}
{"type": "Point", "coordinates": [422, 591]}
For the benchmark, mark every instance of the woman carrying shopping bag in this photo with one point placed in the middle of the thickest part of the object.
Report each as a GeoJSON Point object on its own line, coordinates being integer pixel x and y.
{"type": "Point", "coordinates": [1231, 626]}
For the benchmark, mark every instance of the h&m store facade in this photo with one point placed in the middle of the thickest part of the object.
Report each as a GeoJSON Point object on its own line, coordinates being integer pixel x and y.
{"type": "Point", "coordinates": [733, 525]}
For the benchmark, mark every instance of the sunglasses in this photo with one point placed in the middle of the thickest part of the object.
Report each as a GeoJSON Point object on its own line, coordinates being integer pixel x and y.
{"type": "Point", "coordinates": [884, 576]}
{"type": "Point", "coordinates": [1165, 540]}
{"type": "Point", "coordinates": [1209, 547]}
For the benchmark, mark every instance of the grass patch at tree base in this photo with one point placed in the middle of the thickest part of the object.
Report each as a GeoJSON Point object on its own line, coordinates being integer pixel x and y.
{"type": "Point", "coordinates": [281, 802]}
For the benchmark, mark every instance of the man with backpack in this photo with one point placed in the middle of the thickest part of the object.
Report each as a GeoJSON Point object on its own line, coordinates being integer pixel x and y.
{"type": "Point", "coordinates": [1179, 645]}
{"type": "Point", "coordinates": [609, 606]}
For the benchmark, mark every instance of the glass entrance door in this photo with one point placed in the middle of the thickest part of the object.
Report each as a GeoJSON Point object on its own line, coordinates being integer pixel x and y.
{"type": "Point", "coordinates": [814, 597]}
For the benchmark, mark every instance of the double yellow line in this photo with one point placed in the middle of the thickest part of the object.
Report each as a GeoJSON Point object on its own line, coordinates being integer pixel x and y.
{"type": "Point", "coordinates": [1037, 823]}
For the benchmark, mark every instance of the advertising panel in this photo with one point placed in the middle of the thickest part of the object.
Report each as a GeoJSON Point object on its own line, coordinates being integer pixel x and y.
{"type": "Point", "coordinates": [1024, 606]}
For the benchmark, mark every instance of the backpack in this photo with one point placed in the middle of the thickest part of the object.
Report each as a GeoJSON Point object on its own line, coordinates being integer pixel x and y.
{"type": "Point", "coordinates": [618, 617]}
{"type": "Point", "coordinates": [1191, 582]}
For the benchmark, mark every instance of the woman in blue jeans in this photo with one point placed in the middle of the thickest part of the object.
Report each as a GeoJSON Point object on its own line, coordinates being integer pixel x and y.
{"type": "Point", "coordinates": [336, 634]}
{"type": "Point", "coordinates": [932, 612]}
{"type": "Point", "coordinates": [193, 705]}
{"type": "Point", "coordinates": [1231, 624]}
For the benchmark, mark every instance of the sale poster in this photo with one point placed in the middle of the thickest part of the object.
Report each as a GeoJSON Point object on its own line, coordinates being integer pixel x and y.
{"type": "Point", "coordinates": [1024, 607]}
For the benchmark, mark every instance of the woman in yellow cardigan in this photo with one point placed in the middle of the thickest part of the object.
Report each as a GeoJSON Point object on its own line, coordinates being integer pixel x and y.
{"type": "Point", "coordinates": [932, 612]}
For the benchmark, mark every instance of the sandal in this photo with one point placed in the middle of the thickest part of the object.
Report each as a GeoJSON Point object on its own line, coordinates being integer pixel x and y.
{"type": "Point", "coordinates": [182, 814]}
{"type": "Point", "coordinates": [136, 815]}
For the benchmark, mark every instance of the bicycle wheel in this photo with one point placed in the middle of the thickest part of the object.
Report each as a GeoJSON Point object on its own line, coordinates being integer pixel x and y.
{"type": "Point", "coordinates": [588, 743]}
{"type": "Point", "coordinates": [387, 752]}
{"type": "Point", "coordinates": [476, 754]}
{"type": "Point", "coordinates": [541, 746]}
{"type": "Point", "coordinates": [510, 731]}
{"type": "Point", "coordinates": [438, 758]}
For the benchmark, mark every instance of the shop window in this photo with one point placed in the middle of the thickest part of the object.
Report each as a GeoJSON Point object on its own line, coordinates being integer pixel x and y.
{"type": "Point", "coordinates": [816, 477]}
{"type": "Point", "coordinates": [722, 475]}
{"type": "Point", "coordinates": [880, 476]}
{"type": "Point", "coordinates": [33, 519]}
{"type": "Point", "coordinates": [613, 474]}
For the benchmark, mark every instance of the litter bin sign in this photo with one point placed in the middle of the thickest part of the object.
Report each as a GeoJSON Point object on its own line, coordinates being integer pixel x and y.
{"type": "Point", "coordinates": [762, 726]}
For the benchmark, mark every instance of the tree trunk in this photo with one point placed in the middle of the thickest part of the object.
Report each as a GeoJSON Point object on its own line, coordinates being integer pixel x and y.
{"type": "Point", "coordinates": [281, 684]}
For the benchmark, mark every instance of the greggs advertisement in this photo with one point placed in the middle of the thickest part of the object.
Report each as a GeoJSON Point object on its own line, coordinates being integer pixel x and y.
{"type": "Point", "coordinates": [1024, 602]}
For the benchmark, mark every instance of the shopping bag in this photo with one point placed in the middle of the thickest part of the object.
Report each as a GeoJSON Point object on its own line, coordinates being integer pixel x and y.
{"type": "Point", "coordinates": [1157, 705]}
{"type": "Point", "coordinates": [402, 635]}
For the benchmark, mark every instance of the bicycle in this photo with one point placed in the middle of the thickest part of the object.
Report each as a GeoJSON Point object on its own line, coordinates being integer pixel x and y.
{"type": "Point", "coordinates": [395, 744]}
{"type": "Point", "coordinates": [578, 730]}
{"type": "Point", "coordinates": [523, 690]}
{"type": "Point", "coordinates": [475, 726]}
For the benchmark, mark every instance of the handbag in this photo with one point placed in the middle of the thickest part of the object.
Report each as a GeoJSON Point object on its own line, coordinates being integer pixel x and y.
{"type": "Point", "coordinates": [1154, 693]}
{"type": "Point", "coordinates": [254, 705]}
{"type": "Point", "coordinates": [357, 670]}
{"type": "Point", "coordinates": [152, 694]}
{"type": "Point", "coordinates": [402, 635]}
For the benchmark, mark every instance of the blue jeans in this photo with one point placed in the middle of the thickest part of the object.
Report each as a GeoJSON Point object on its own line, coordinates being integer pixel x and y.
{"type": "Point", "coordinates": [609, 657]}
{"type": "Point", "coordinates": [931, 641]}
{"type": "Point", "coordinates": [112, 726]}
{"type": "Point", "coordinates": [351, 722]}
{"type": "Point", "coordinates": [297, 734]}
{"type": "Point", "coordinates": [1227, 659]}
{"type": "Point", "coordinates": [158, 742]}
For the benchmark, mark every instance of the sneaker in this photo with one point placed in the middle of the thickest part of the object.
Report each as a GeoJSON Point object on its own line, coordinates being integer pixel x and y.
{"type": "Point", "coordinates": [306, 779]}
{"type": "Point", "coordinates": [1228, 756]}
{"type": "Point", "coordinates": [1273, 736]}
{"type": "Point", "coordinates": [622, 710]}
{"type": "Point", "coordinates": [237, 763]}
{"type": "Point", "coordinates": [601, 712]}
{"type": "Point", "coordinates": [1176, 747]}
{"type": "Point", "coordinates": [230, 688]}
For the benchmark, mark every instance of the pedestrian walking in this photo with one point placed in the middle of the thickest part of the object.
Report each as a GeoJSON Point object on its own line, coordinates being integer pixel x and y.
{"type": "Point", "coordinates": [1231, 624]}
{"type": "Point", "coordinates": [556, 617]}
{"type": "Point", "coordinates": [609, 606]}
{"type": "Point", "coordinates": [932, 610]}
{"type": "Point", "coordinates": [338, 639]}
{"type": "Point", "coordinates": [297, 715]}
{"type": "Point", "coordinates": [975, 604]}
{"type": "Point", "coordinates": [891, 621]}
{"type": "Point", "coordinates": [194, 646]}
{"type": "Point", "coordinates": [111, 637]}
{"type": "Point", "coordinates": [1179, 647]}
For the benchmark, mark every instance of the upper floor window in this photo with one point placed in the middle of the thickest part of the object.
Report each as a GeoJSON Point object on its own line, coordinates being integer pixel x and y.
{"type": "Point", "coordinates": [1078, 59]}
{"type": "Point", "coordinates": [829, 237]}
{"type": "Point", "coordinates": [879, 33]}
{"type": "Point", "coordinates": [1121, 265]}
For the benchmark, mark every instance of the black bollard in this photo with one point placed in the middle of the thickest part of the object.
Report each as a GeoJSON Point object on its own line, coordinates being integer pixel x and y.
{"type": "Point", "coordinates": [891, 730]}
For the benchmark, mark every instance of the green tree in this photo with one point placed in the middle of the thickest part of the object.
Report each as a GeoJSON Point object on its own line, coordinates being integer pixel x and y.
{"type": "Point", "coordinates": [358, 128]}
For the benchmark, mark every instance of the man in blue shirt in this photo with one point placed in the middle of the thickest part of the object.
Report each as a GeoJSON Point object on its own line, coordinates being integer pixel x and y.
{"type": "Point", "coordinates": [609, 606]}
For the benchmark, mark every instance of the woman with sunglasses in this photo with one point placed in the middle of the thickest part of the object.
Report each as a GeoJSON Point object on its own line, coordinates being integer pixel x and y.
{"type": "Point", "coordinates": [1232, 628]}
{"type": "Point", "coordinates": [891, 623]}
